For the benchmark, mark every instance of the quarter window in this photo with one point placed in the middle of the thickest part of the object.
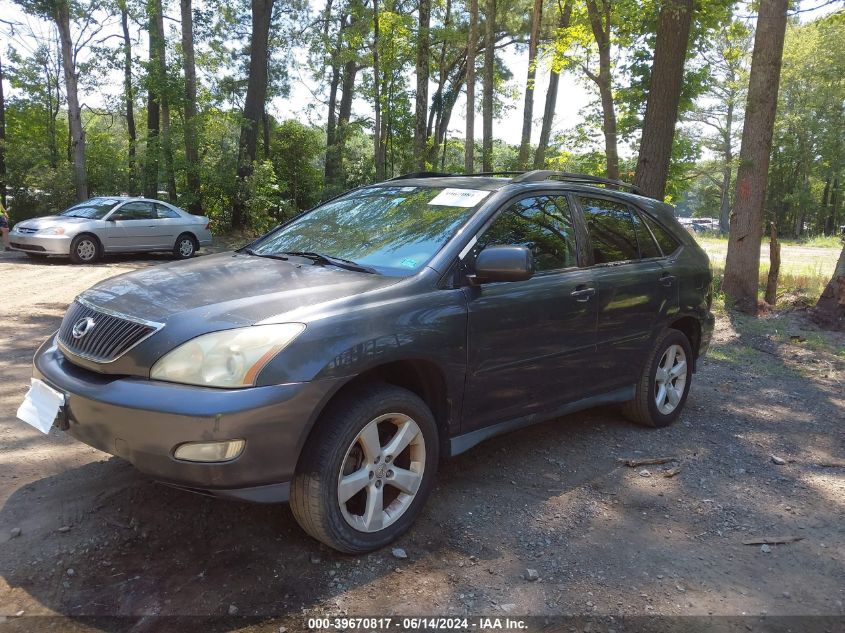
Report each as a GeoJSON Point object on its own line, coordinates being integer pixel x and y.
{"type": "Point", "coordinates": [543, 224]}
{"type": "Point", "coordinates": [612, 231]}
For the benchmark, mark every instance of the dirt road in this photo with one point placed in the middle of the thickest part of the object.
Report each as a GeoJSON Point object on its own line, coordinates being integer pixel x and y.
{"type": "Point", "coordinates": [96, 538]}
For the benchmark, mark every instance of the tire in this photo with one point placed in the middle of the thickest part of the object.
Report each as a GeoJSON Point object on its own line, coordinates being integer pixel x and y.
{"type": "Point", "coordinates": [337, 450]}
{"type": "Point", "coordinates": [185, 246]}
{"type": "Point", "coordinates": [84, 249]}
{"type": "Point", "coordinates": [651, 406]}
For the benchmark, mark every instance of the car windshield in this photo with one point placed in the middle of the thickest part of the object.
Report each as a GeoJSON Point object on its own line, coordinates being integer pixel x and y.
{"type": "Point", "coordinates": [393, 230]}
{"type": "Point", "coordinates": [94, 209]}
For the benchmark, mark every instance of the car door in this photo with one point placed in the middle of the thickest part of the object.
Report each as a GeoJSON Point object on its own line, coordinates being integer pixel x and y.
{"type": "Point", "coordinates": [530, 342]}
{"type": "Point", "coordinates": [635, 290]}
{"type": "Point", "coordinates": [132, 227]}
{"type": "Point", "coordinates": [170, 225]}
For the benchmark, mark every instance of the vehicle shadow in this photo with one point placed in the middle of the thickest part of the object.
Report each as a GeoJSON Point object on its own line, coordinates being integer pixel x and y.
{"type": "Point", "coordinates": [552, 497]}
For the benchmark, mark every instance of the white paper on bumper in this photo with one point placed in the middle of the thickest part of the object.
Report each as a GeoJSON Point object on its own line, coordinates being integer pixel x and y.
{"type": "Point", "coordinates": [41, 405]}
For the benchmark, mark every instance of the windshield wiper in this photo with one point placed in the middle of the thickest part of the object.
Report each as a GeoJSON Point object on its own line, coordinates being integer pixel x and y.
{"type": "Point", "coordinates": [249, 251]}
{"type": "Point", "coordinates": [322, 258]}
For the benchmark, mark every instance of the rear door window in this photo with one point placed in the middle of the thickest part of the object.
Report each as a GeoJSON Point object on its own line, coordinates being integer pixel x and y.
{"type": "Point", "coordinates": [137, 211]}
{"type": "Point", "coordinates": [613, 234]}
{"type": "Point", "coordinates": [165, 213]}
{"type": "Point", "coordinates": [668, 244]}
{"type": "Point", "coordinates": [648, 247]}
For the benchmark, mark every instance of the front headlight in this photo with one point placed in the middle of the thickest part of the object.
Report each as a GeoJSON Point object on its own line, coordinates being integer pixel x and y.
{"type": "Point", "coordinates": [231, 358]}
{"type": "Point", "coordinates": [52, 230]}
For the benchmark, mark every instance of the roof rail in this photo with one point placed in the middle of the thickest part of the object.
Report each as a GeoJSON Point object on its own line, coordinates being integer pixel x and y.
{"type": "Point", "coordinates": [539, 175]}
{"type": "Point", "coordinates": [421, 174]}
{"type": "Point", "coordinates": [440, 174]}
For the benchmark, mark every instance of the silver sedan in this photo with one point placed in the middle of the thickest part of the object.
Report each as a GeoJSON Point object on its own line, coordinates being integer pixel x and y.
{"type": "Point", "coordinates": [87, 230]}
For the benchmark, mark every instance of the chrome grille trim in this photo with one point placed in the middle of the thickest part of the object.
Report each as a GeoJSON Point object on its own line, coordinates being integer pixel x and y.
{"type": "Point", "coordinates": [116, 335]}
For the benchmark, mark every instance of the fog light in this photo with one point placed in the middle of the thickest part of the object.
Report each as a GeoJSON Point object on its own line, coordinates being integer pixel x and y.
{"type": "Point", "coordinates": [210, 451]}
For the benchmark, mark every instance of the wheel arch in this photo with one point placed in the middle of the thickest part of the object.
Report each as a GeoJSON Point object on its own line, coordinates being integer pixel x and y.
{"type": "Point", "coordinates": [422, 377]}
{"type": "Point", "coordinates": [691, 328]}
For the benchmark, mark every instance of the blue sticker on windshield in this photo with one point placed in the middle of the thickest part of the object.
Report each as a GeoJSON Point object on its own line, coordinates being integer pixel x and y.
{"type": "Point", "coordinates": [408, 263]}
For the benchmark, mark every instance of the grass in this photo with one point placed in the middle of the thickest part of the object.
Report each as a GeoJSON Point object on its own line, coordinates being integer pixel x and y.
{"type": "Point", "coordinates": [805, 267]}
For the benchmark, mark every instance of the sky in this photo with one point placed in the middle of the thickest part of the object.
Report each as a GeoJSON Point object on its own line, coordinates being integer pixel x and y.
{"type": "Point", "coordinates": [574, 94]}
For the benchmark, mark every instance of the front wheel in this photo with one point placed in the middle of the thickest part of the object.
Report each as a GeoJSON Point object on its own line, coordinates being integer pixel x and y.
{"type": "Point", "coordinates": [664, 384]}
{"type": "Point", "coordinates": [366, 469]}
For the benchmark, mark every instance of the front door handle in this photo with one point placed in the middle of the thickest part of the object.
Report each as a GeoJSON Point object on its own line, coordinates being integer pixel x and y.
{"type": "Point", "coordinates": [667, 280]}
{"type": "Point", "coordinates": [582, 293]}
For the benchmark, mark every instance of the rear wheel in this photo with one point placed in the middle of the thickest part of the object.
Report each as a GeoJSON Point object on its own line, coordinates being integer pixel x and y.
{"type": "Point", "coordinates": [366, 469]}
{"type": "Point", "coordinates": [662, 389]}
{"type": "Point", "coordinates": [185, 247]}
{"type": "Point", "coordinates": [84, 249]}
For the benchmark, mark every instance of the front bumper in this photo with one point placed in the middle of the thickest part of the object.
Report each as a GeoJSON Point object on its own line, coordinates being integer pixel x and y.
{"type": "Point", "coordinates": [44, 244]}
{"type": "Point", "coordinates": [143, 421]}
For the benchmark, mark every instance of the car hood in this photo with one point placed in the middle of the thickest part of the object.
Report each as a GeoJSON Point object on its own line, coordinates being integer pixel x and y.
{"type": "Point", "coordinates": [229, 290]}
{"type": "Point", "coordinates": [51, 220]}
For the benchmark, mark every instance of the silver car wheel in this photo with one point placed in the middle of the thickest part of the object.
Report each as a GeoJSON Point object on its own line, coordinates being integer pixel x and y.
{"type": "Point", "coordinates": [381, 472]}
{"type": "Point", "coordinates": [670, 379]}
{"type": "Point", "coordinates": [186, 247]}
{"type": "Point", "coordinates": [86, 250]}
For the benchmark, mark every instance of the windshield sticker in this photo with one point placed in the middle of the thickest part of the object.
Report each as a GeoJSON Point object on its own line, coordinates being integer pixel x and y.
{"type": "Point", "coordinates": [408, 263]}
{"type": "Point", "coordinates": [459, 197]}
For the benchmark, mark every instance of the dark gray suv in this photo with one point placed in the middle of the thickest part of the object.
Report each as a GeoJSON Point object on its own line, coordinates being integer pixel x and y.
{"type": "Point", "coordinates": [335, 360]}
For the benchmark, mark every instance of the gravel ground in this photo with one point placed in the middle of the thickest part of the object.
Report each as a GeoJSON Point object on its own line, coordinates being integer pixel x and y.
{"type": "Point", "coordinates": [83, 534]}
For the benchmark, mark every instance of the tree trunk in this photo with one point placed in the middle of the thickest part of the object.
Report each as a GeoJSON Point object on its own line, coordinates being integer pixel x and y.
{"type": "Point", "coordinates": [256, 95]}
{"type": "Point", "coordinates": [472, 43]}
{"type": "Point", "coordinates": [437, 102]}
{"type": "Point", "coordinates": [830, 309]}
{"type": "Point", "coordinates": [742, 267]}
{"type": "Point", "coordinates": [600, 24]}
{"type": "Point", "coordinates": [422, 84]}
{"type": "Point", "coordinates": [2, 139]}
{"type": "Point", "coordinates": [164, 99]}
{"type": "Point", "coordinates": [664, 97]}
{"type": "Point", "coordinates": [129, 98]}
{"type": "Point", "coordinates": [551, 96]}
{"type": "Point", "coordinates": [774, 267]}
{"type": "Point", "coordinates": [330, 170]}
{"type": "Point", "coordinates": [77, 133]}
{"type": "Point", "coordinates": [344, 113]}
{"type": "Point", "coordinates": [528, 108]}
{"type": "Point", "coordinates": [192, 173]}
{"type": "Point", "coordinates": [727, 171]}
{"type": "Point", "coordinates": [487, 86]}
{"type": "Point", "coordinates": [151, 155]}
{"type": "Point", "coordinates": [377, 145]}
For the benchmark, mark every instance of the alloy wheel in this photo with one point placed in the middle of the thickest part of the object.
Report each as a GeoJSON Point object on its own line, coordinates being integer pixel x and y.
{"type": "Point", "coordinates": [186, 248]}
{"type": "Point", "coordinates": [670, 379]}
{"type": "Point", "coordinates": [86, 250]}
{"type": "Point", "coordinates": [381, 472]}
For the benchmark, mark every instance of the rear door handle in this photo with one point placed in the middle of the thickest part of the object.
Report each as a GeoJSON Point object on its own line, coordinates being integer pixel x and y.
{"type": "Point", "coordinates": [582, 293]}
{"type": "Point", "coordinates": [667, 280]}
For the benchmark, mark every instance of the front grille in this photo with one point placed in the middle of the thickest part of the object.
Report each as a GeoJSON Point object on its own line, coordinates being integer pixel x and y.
{"type": "Point", "coordinates": [110, 337]}
{"type": "Point", "coordinates": [26, 230]}
{"type": "Point", "coordinates": [28, 247]}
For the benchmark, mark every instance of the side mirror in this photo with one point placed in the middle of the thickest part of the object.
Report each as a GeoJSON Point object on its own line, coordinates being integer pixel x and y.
{"type": "Point", "coordinates": [504, 263]}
